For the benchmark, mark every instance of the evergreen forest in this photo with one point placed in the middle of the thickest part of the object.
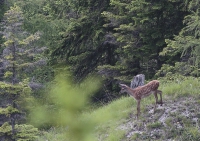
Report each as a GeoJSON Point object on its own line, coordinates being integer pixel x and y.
{"type": "Point", "coordinates": [63, 58]}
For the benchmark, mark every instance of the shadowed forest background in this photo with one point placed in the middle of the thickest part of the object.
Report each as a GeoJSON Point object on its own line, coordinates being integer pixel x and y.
{"type": "Point", "coordinates": [89, 46]}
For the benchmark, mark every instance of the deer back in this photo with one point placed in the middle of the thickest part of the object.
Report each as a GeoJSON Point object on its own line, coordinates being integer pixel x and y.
{"type": "Point", "coordinates": [143, 91]}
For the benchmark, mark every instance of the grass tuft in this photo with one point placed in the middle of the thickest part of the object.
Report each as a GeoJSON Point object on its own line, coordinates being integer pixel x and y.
{"type": "Point", "coordinates": [179, 88]}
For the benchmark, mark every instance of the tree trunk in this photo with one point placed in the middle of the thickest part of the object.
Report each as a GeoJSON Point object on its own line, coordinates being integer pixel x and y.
{"type": "Point", "coordinates": [138, 80]}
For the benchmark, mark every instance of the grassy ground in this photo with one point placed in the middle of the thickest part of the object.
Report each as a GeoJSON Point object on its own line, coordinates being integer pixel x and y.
{"type": "Point", "coordinates": [177, 119]}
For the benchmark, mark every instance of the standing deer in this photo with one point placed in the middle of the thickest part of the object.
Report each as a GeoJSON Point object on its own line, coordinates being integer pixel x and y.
{"type": "Point", "coordinates": [143, 91]}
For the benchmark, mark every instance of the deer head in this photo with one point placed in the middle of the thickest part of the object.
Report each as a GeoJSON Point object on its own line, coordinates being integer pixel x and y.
{"type": "Point", "coordinates": [123, 88]}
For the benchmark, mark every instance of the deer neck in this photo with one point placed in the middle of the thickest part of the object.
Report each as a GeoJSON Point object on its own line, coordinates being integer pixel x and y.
{"type": "Point", "coordinates": [131, 92]}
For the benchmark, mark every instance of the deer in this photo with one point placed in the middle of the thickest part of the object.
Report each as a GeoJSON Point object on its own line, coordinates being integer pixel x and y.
{"type": "Point", "coordinates": [143, 91]}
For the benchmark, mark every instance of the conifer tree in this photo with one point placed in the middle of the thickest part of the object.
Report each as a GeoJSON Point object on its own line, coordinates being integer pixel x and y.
{"type": "Point", "coordinates": [83, 41]}
{"type": "Point", "coordinates": [2, 11]}
{"type": "Point", "coordinates": [140, 28]}
{"type": "Point", "coordinates": [18, 60]}
{"type": "Point", "coordinates": [187, 43]}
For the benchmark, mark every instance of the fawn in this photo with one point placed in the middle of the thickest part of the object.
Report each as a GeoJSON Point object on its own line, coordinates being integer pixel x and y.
{"type": "Point", "coordinates": [143, 91]}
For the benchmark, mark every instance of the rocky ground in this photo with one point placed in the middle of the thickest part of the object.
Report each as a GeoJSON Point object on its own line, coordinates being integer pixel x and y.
{"type": "Point", "coordinates": [174, 120]}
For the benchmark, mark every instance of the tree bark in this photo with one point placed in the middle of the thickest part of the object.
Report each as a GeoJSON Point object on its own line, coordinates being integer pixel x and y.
{"type": "Point", "coordinates": [138, 80]}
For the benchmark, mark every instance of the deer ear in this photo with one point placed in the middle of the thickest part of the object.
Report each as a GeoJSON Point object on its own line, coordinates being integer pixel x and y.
{"type": "Point", "coordinates": [122, 85]}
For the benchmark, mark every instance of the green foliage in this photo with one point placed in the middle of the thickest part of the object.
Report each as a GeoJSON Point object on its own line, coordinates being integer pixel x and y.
{"type": "Point", "coordinates": [8, 111]}
{"type": "Point", "coordinates": [12, 95]}
{"type": "Point", "coordinates": [49, 17]}
{"type": "Point", "coordinates": [2, 11]}
{"type": "Point", "coordinates": [82, 44]}
{"type": "Point", "coordinates": [5, 129]}
{"type": "Point", "coordinates": [25, 132]}
{"type": "Point", "coordinates": [139, 27]}
{"type": "Point", "coordinates": [127, 35]}
{"type": "Point", "coordinates": [9, 89]}
{"type": "Point", "coordinates": [107, 122]}
{"type": "Point", "coordinates": [180, 68]}
{"type": "Point", "coordinates": [116, 136]}
{"type": "Point", "coordinates": [68, 102]}
{"type": "Point", "coordinates": [186, 42]}
{"type": "Point", "coordinates": [53, 134]}
{"type": "Point", "coordinates": [190, 133]}
{"type": "Point", "coordinates": [178, 86]}
{"type": "Point", "coordinates": [68, 105]}
{"type": "Point", "coordinates": [139, 30]}
{"type": "Point", "coordinates": [117, 38]}
{"type": "Point", "coordinates": [19, 48]}
{"type": "Point", "coordinates": [15, 62]}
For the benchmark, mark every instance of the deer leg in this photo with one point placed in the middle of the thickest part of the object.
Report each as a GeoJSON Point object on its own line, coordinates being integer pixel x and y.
{"type": "Point", "coordinates": [138, 108]}
{"type": "Point", "coordinates": [156, 97]}
{"type": "Point", "coordinates": [160, 92]}
{"type": "Point", "coordinates": [161, 98]}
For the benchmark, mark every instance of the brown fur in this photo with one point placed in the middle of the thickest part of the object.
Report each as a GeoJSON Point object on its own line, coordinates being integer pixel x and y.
{"type": "Point", "coordinates": [143, 91]}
